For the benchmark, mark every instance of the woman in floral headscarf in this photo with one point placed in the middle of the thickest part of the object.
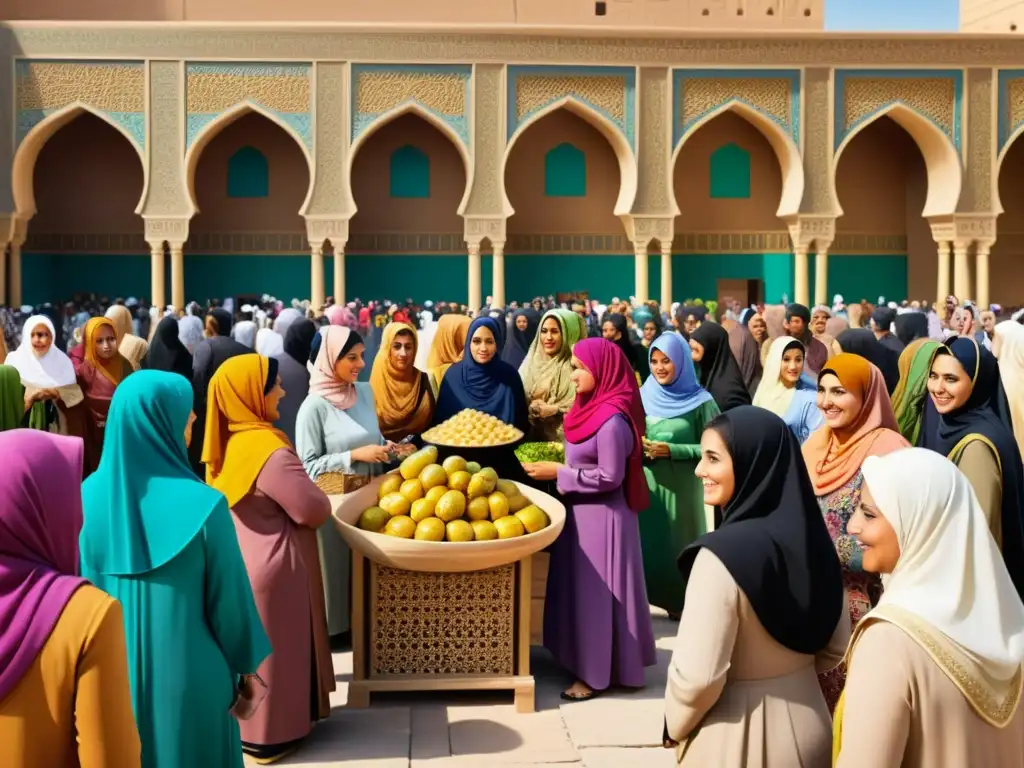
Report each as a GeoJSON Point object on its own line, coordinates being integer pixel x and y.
{"type": "Point", "coordinates": [547, 373]}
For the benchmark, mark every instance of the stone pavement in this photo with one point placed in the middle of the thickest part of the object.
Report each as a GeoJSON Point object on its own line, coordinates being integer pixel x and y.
{"type": "Point", "coordinates": [480, 730]}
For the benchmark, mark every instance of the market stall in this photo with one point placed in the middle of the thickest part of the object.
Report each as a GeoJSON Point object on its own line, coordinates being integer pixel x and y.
{"type": "Point", "coordinates": [449, 614]}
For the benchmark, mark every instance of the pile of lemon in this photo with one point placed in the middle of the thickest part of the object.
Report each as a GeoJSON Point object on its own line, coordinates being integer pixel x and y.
{"type": "Point", "coordinates": [453, 501]}
{"type": "Point", "coordinates": [472, 429]}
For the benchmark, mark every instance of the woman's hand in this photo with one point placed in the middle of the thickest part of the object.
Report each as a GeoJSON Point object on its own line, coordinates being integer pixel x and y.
{"type": "Point", "coordinates": [545, 411]}
{"type": "Point", "coordinates": [542, 470]}
{"type": "Point", "coordinates": [401, 450]}
{"type": "Point", "coordinates": [657, 450]}
{"type": "Point", "coordinates": [371, 454]}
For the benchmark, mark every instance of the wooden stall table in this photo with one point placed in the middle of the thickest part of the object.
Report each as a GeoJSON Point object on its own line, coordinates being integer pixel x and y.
{"type": "Point", "coordinates": [432, 616]}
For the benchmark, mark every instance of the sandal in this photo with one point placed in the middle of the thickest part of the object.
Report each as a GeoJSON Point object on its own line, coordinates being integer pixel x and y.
{"type": "Point", "coordinates": [566, 696]}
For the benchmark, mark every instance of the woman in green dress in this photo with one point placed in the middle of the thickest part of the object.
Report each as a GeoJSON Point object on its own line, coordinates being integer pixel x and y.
{"type": "Point", "coordinates": [677, 409]}
{"type": "Point", "coordinates": [163, 544]}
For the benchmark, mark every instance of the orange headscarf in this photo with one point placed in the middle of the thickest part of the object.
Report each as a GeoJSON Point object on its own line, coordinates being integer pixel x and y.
{"type": "Point", "coordinates": [835, 457]}
{"type": "Point", "coordinates": [449, 344]}
{"type": "Point", "coordinates": [111, 368]}
{"type": "Point", "coordinates": [239, 436]}
{"type": "Point", "coordinates": [403, 407]}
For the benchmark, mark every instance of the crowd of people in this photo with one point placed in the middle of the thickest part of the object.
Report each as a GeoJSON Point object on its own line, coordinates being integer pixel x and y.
{"type": "Point", "coordinates": [171, 583]}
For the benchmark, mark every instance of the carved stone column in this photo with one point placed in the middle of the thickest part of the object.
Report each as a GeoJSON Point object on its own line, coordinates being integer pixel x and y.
{"type": "Point", "coordinates": [318, 231]}
{"type": "Point", "coordinates": [14, 289]}
{"type": "Point", "coordinates": [961, 269]}
{"type": "Point", "coordinates": [666, 275]}
{"type": "Point", "coordinates": [177, 275]}
{"type": "Point", "coordinates": [942, 289]}
{"type": "Point", "coordinates": [821, 272]}
{"type": "Point", "coordinates": [801, 277]}
{"type": "Point", "coordinates": [640, 271]}
{"type": "Point", "coordinates": [981, 291]}
{"type": "Point", "coordinates": [338, 284]}
{"type": "Point", "coordinates": [475, 301]}
{"type": "Point", "coordinates": [809, 231]}
{"type": "Point", "coordinates": [498, 270]}
{"type": "Point", "coordinates": [316, 276]}
{"type": "Point", "coordinates": [157, 281]}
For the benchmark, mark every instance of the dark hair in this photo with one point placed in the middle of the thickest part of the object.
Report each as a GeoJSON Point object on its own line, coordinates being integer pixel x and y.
{"type": "Point", "coordinates": [405, 332]}
{"type": "Point", "coordinates": [271, 375]}
{"type": "Point", "coordinates": [970, 308]}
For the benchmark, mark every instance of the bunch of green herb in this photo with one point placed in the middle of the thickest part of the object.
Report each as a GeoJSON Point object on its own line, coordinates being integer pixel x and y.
{"type": "Point", "coordinates": [532, 452]}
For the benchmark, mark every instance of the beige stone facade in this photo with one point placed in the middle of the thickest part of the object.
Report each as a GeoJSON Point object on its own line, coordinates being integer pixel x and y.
{"type": "Point", "coordinates": [172, 91]}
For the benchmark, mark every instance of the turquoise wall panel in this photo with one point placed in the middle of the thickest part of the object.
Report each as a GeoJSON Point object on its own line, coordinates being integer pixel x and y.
{"type": "Point", "coordinates": [57, 277]}
{"type": "Point", "coordinates": [604, 276]}
{"type": "Point", "coordinates": [866, 277]}
{"type": "Point", "coordinates": [696, 276]}
{"type": "Point", "coordinates": [409, 173]}
{"type": "Point", "coordinates": [248, 174]}
{"type": "Point", "coordinates": [730, 173]}
{"type": "Point", "coordinates": [419, 277]}
{"type": "Point", "coordinates": [216, 276]}
{"type": "Point", "coordinates": [565, 172]}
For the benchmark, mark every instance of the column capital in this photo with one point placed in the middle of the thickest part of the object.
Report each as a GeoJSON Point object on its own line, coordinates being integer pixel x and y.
{"type": "Point", "coordinates": [319, 230]}
{"type": "Point", "coordinates": [476, 229]}
{"type": "Point", "coordinates": [171, 230]}
{"type": "Point", "coordinates": [644, 229]}
{"type": "Point", "coordinates": [806, 230]}
{"type": "Point", "coordinates": [473, 248]}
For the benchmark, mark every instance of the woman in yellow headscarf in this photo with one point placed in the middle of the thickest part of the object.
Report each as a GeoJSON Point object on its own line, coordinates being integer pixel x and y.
{"type": "Point", "coordinates": [405, 403]}
{"type": "Point", "coordinates": [276, 509]}
{"type": "Point", "coordinates": [132, 347]}
{"type": "Point", "coordinates": [448, 347]}
{"type": "Point", "coordinates": [98, 373]}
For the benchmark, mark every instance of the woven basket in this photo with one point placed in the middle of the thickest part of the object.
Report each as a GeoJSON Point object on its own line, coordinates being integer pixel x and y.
{"type": "Point", "coordinates": [331, 483]}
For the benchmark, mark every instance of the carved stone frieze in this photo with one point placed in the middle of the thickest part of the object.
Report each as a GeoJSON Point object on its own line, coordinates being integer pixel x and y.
{"type": "Point", "coordinates": [980, 185]}
{"type": "Point", "coordinates": [644, 229]}
{"type": "Point", "coordinates": [166, 194]}
{"type": "Point", "coordinates": [305, 42]}
{"type": "Point", "coordinates": [486, 196]}
{"type": "Point", "coordinates": [479, 229]}
{"type": "Point", "coordinates": [318, 230]}
{"type": "Point", "coordinates": [817, 150]}
{"type": "Point", "coordinates": [171, 231]}
{"type": "Point", "coordinates": [811, 231]}
{"type": "Point", "coordinates": [654, 179]}
{"type": "Point", "coordinates": [972, 228]}
{"type": "Point", "coordinates": [332, 194]}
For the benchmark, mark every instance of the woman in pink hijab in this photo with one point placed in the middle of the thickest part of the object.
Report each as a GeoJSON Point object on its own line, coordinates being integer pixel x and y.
{"type": "Point", "coordinates": [597, 622]}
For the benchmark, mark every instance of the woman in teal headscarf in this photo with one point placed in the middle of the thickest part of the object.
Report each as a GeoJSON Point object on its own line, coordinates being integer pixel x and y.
{"type": "Point", "coordinates": [163, 544]}
{"type": "Point", "coordinates": [677, 408]}
{"type": "Point", "coordinates": [909, 396]}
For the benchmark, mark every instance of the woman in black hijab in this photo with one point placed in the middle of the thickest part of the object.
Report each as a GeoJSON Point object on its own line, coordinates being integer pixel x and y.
{"type": "Point", "coordinates": [520, 338]}
{"type": "Point", "coordinates": [861, 341]}
{"type": "Point", "coordinates": [765, 590]}
{"type": "Point", "coordinates": [298, 341]}
{"type": "Point", "coordinates": [911, 326]}
{"type": "Point", "coordinates": [166, 352]}
{"type": "Point", "coordinates": [719, 372]}
{"type": "Point", "coordinates": [615, 328]}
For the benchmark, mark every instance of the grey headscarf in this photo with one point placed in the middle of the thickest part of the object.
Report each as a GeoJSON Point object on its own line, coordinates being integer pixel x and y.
{"type": "Point", "coordinates": [190, 332]}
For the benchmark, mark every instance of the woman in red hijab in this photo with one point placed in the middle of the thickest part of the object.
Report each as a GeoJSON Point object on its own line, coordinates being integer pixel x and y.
{"type": "Point", "coordinates": [597, 622]}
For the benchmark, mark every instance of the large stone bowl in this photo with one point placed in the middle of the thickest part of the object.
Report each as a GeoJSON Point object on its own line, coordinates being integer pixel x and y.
{"type": "Point", "coordinates": [441, 556]}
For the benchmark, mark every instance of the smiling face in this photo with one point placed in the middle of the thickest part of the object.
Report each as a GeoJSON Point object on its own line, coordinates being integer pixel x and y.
{"type": "Point", "coordinates": [948, 384]}
{"type": "Point", "coordinates": [662, 368]}
{"type": "Point", "coordinates": [273, 400]}
{"type": "Point", "coordinates": [818, 320]}
{"type": "Point", "coordinates": [42, 340]}
{"type": "Point", "coordinates": [837, 404]}
{"type": "Point", "coordinates": [582, 378]}
{"type": "Point", "coordinates": [715, 469]}
{"type": "Point", "coordinates": [521, 322]}
{"type": "Point", "coordinates": [482, 346]}
{"type": "Point", "coordinates": [874, 534]}
{"type": "Point", "coordinates": [550, 336]}
{"type": "Point", "coordinates": [650, 331]}
{"type": "Point", "coordinates": [105, 342]}
{"type": "Point", "coordinates": [792, 367]}
{"type": "Point", "coordinates": [349, 365]}
{"type": "Point", "coordinates": [403, 351]}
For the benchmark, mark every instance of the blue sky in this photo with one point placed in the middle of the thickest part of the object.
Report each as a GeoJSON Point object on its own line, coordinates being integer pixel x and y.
{"type": "Point", "coordinates": [892, 15]}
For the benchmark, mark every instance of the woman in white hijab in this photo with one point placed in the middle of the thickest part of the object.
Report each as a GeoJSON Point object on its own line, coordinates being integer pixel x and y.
{"type": "Point", "coordinates": [934, 676]}
{"type": "Point", "coordinates": [47, 375]}
{"type": "Point", "coordinates": [1008, 347]}
{"type": "Point", "coordinates": [269, 343]}
{"type": "Point", "coordinates": [244, 332]}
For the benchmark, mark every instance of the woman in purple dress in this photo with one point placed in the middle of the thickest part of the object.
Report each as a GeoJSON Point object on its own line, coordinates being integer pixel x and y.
{"type": "Point", "coordinates": [597, 622]}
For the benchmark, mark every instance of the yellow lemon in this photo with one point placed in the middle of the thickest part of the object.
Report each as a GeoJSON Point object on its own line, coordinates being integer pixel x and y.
{"type": "Point", "coordinates": [422, 509]}
{"type": "Point", "coordinates": [401, 527]}
{"type": "Point", "coordinates": [435, 493]}
{"type": "Point", "coordinates": [373, 519]}
{"type": "Point", "coordinates": [478, 509]}
{"type": "Point", "coordinates": [484, 530]}
{"type": "Point", "coordinates": [430, 529]}
{"type": "Point", "coordinates": [412, 490]}
{"type": "Point", "coordinates": [391, 484]}
{"type": "Point", "coordinates": [459, 530]}
{"type": "Point", "coordinates": [395, 504]}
